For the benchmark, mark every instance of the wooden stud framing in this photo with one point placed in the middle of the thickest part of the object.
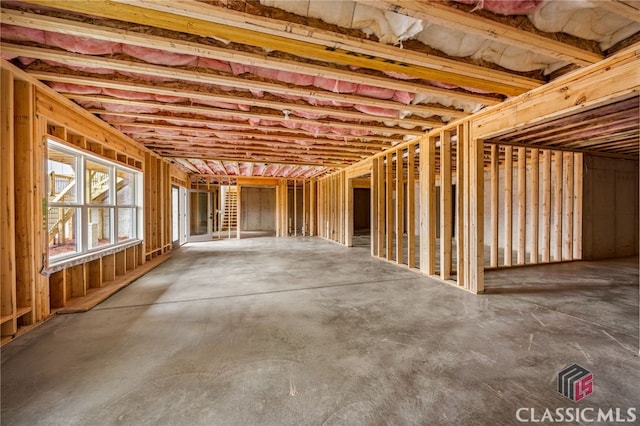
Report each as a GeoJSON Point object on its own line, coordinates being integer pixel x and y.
{"type": "Point", "coordinates": [27, 218]}
{"type": "Point", "coordinates": [461, 186]}
{"type": "Point", "coordinates": [495, 237]}
{"type": "Point", "coordinates": [508, 205]}
{"type": "Point", "coordinates": [557, 205]}
{"type": "Point", "coordinates": [428, 205]}
{"type": "Point", "coordinates": [7, 213]}
{"type": "Point", "coordinates": [381, 207]}
{"type": "Point", "coordinates": [411, 206]}
{"type": "Point", "coordinates": [475, 283]}
{"type": "Point", "coordinates": [578, 164]}
{"type": "Point", "coordinates": [534, 205]}
{"type": "Point", "coordinates": [445, 205]}
{"type": "Point", "coordinates": [522, 205]}
{"type": "Point", "coordinates": [546, 206]}
{"type": "Point", "coordinates": [389, 206]}
{"type": "Point", "coordinates": [400, 207]}
{"type": "Point", "coordinates": [567, 206]}
{"type": "Point", "coordinates": [374, 206]}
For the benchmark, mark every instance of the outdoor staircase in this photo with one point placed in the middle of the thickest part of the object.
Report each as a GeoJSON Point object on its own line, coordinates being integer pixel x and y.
{"type": "Point", "coordinates": [230, 217]}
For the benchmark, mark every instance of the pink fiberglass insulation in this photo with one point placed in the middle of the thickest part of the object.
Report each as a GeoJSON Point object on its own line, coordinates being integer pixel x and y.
{"type": "Point", "coordinates": [90, 104]}
{"type": "Point", "coordinates": [170, 99]}
{"type": "Point", "coordinates": [224, 105]}
{"type": "Point", "coordinates": [232, 169]}
{"type": "Point", "coordinates": [238, 69]}
{"type": "Point", "coordinates": [128, 94]}
{"type": "Point", "coordinates": [309, 115]}
{"type": "Point", "coordinates": [290, 125]}
{"type": "Point", "coordinates": [245, 169]}
{"type": "Point", "coordinates": [377, 111]}
{"type": "Point", "coordinates": [271, 169]}
{"type": "Point", "coordinates": [7, 56]}
{"type": "Point", "coordinates": [506, 7]}
{"type": "Point", "coordinates": [117, 118]}
{"type": "Point", "coordinates": [214, 64]}
{"type": "Point", "coordinates": [94, 70]}
{"type": "Point", "coordinates": [316, 129]}
{"type": "Point", "coordinates": [184, 123]}
{"type": "Point", "coordinates": [334, 85]}
{"type": "Point", "coordinates": [295, 78]}
{"type": "Point", "coordinates": [159, 57]}
{"type": "Point", "coordinates": [285, 170]}
{"type": "Point", "coordinates": [258, 169]}
{"type": "Point", "coordinates": [216, 167]}
{"type": "Point", "coordinates": [375, 92]}
{"type": "Point", "coordinates": [13, 32]}
{"type": "Point", "coordinates": [86, 46]}
{"type": "Point", "coordinates": [267, 73]}
{"type": "Point", "coordinates": [131, 108]}
{"type": "Point", "coordinates": [74, 88]}
{"type": "Point", "coordinates": [200, 165]}
{"type": "Point", "coordinates": [26, 61]}
{"type": "Point", "coordinates": [403, 97]}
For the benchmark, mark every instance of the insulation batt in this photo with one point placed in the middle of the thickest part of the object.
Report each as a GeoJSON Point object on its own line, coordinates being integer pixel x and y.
{"type": "Point", "coordinates": [82, 45]}
{"type": "Point", "coordinates": [505, 7]}
{"type": "Point", "coordinates": [74, 88]}
{"type": "Point", "coordinates": [12, 32]}
{"type": "Point", "coordinates": [159, 57]}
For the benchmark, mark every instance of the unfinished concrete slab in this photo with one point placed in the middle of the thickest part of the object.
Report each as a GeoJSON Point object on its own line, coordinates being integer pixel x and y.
{"type": "Point", "coordinates": [304, 331]}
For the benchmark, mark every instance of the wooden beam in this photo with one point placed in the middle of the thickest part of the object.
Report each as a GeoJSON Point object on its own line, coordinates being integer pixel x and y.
{"type": "Point", "coordinates": [380, 188]}
{"type": "Point", "coordinates": [614, 78]}
{"type": "Point", "coordinates": [145, 39]}
{"type": "Point", "coordinates": [217, 22]}
{"type": "Point", "coordinates": [450, 17]}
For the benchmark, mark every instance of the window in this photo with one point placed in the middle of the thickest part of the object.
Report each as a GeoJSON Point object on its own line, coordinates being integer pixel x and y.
{"type": "Point", "coordinates": [93, 204]}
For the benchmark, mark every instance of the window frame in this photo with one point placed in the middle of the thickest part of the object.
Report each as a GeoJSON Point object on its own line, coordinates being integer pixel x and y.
{"type": "Point", "coordinates": [83, 204]}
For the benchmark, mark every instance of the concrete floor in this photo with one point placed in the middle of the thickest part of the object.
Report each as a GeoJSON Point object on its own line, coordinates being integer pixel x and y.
{"type": "Point", "coordinates": [307, 332]}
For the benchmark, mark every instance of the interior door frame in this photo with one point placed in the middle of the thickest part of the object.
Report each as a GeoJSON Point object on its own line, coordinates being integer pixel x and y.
{"type": "Point", "coordinates": [208, 236]}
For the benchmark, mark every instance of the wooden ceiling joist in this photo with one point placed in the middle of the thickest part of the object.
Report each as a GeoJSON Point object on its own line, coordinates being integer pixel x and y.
{"type": "Point", "coordinates": [255, 145]}
{"type": "Point", "coordinates": [203, 119]}
{"type": "Point", "coordinates": [440, 14]}
{"type": "Point", "coordinates": [373, 141]}
{"type": "Point", "coordinates": [277, 159]}
{"type": "Point", "coordinates": [201, 77]}
{"type": "Point", "coordinates": [257, 138]}
{"type": "Point", "coordinates": [81, 29]}
{"type": "Point", "coordinates": [241, 100]}
{"type": "Point", "coordinates": [629, 9]}
{"type": "Point", "coordinates": [221, 23]}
